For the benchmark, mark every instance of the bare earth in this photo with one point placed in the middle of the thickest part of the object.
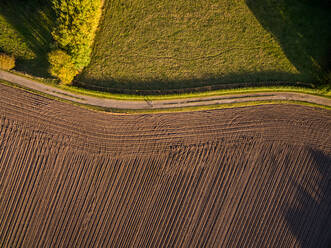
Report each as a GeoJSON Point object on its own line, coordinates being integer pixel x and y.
{"type": "Point", "coordinates": [244, 177]}
{"type": "Point", "coordinates": [165, 104]}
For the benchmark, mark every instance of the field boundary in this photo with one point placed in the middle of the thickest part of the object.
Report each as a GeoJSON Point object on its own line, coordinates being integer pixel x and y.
{"type": "Point", "coordinates": [171, 105]}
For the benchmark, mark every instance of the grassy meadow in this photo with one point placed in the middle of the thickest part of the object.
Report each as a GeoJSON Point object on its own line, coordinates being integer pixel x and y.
{"type": "Point", "coordinates": [166, 44]}
{"type": "Point", "coordinates": [146, 44]}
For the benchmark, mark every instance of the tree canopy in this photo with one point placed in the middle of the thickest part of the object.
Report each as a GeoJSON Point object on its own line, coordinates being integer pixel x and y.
{"type": "Point", "coordinates": [76, 24]}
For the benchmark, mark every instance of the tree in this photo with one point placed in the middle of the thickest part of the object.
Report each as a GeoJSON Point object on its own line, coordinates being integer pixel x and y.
{"type": "Point", "coordinates": [7, 62]}
{"type": "Point", "coordinates": [61, 66]}
{"type": "Point", "coordinates": [77, 21]}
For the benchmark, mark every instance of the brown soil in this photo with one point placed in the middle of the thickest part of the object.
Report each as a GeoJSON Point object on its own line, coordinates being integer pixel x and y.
{"type": "Point", "coordinates": [244, 177]}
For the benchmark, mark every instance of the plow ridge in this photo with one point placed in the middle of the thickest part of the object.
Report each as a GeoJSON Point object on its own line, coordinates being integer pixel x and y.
{"type": "Point", "coordinates": [248, 177]}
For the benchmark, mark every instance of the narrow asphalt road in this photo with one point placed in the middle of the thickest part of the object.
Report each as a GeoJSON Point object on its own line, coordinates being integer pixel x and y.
{"type": "Point", "coordinates": [159, 104]}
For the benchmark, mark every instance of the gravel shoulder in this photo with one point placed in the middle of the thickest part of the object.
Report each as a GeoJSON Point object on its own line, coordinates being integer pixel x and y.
{"type": "Point", "coordinates": [161, 104]}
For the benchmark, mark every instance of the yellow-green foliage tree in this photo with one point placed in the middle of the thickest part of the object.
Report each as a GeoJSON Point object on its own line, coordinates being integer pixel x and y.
{"type": "Point", "coordinates": [77, 21]}
{"type": "Point", "coordinates": [7, 62]}
{"type": "Point", "coordinates": [61, 66]}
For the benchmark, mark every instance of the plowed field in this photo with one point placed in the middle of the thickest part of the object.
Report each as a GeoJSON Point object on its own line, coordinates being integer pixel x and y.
{"type": "Point", "coordinates": [245, 177]}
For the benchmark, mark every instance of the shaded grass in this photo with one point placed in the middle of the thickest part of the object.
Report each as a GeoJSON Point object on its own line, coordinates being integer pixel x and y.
{"type": "Point", "coordinates": [144, 44]}
{"type": "Point", "coordinates": [302, 29]}
{"type": "Point", "coordinates": [156, 87]}
{"type": "Point", "coordinates": [26, 33]}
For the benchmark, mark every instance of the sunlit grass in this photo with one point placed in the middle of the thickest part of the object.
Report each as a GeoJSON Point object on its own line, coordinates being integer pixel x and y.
{"type": "Point", "coordinates": [143, 44]}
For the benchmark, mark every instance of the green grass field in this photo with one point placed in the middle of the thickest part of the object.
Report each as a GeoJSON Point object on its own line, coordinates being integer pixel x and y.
{"type": "Point", "coordinates": [166, 44]}
{"type": "Point", "coordinates": [147, 44]}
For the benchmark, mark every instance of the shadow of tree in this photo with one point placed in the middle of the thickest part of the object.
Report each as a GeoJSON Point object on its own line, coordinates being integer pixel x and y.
{"type": "Point", "coordinates": [154, 87]}
{"type": "Point", "coordinates": [302, 28]}
{"type": "Point", "coordinates": [309, 216]}
{"type": "Point", "coordinates": [34, 20]}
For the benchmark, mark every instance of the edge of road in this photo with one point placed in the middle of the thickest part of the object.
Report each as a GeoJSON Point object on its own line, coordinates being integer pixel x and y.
{"type": "Point", "coordinates": [168, 105]}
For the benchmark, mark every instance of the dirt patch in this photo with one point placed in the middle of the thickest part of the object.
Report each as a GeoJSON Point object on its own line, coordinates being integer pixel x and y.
{"type": "Point", "coordinates": [245, 177]}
